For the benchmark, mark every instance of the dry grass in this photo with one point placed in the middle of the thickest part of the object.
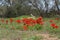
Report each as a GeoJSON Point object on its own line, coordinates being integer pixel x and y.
{"type": "Point", "coordinates": [24, 35]}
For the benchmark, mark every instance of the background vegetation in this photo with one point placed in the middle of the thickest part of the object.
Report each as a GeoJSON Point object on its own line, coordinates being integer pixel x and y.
{"type": "Point", "coordinates": [45, 8]}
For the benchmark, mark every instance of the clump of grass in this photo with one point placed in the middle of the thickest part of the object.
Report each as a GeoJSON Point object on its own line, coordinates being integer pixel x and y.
{"type": "Point", "coordinates": [34, 38]}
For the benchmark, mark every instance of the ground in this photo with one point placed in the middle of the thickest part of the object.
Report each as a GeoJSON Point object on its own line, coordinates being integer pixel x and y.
{"type": "Point", "coordinates": [24, 35]}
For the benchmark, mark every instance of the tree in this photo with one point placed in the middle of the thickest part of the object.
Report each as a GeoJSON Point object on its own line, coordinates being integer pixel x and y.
{"type": "Point", "coordinates": [46, 6]}
{"type": "Point", "coordinates": [56, 3]}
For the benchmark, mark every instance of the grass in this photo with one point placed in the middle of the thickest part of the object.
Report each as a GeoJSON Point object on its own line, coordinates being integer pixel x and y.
{"type": "Point", "coordinates": [6, 30]}
{"type": "Point", "coordinates": [15, 35]}
{"type": "Point", "coordinates": [17, 26]}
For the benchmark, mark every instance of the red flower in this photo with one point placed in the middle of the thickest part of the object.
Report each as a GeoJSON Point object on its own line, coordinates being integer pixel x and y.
{"type": "Point", "coordinates": [11, 20]}
{"type": "Point", "coordinates": [57, 18]}
{"type": "Point", "coordinates": [18, 21]}
{"type": "Point", "coordinates": [34, 22]}
{"type": "Point", "coordinates": [54, 25]}
{"type": "Point", "coordinates": [25, 27]}
{"type": "Point", "coordinates": [26, 21]}
{"type": "Point", "coordinates": [38, 21]}
{"type": "Point", "coordinates": [40, 18]}
{"type": "Point", "coordinates": [2, 20]}
{"type": "Point", "coordinates": [51, 21]}
{"type": "Point", "coordinates": [30, 19]}
{"type": "Point", "coordinates": [6, 21]}
{"type": "Point", "coordinates": [41, 23]}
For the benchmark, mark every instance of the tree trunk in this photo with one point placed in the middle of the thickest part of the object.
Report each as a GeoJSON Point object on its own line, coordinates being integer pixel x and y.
{"type": "Point", "coordinates": [56, 3]}
{"type": "Point", "coordinates": [46, 6]}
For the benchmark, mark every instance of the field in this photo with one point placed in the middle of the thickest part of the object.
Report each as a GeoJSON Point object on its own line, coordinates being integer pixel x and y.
{"type": "Point", "coordinates": [30, 28]}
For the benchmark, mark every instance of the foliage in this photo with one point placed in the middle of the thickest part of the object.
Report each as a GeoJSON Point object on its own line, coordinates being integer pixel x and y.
{"type": "Point", "coordinates": [20, 7]}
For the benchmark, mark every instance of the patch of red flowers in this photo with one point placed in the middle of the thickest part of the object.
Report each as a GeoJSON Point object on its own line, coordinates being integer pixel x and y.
{"type": "Point", "coordinates": [26, 21]}
{"type": "Point", "coordinates": [18, 21]}
{"type": "Point", "coordinates": [54, 25]}
{"type": "Point", "coordinates": [34, 21]}
{"type": "Point", "coordinates": [40, 21]}
{"type": "Point", "coordinates": [25, 27]}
